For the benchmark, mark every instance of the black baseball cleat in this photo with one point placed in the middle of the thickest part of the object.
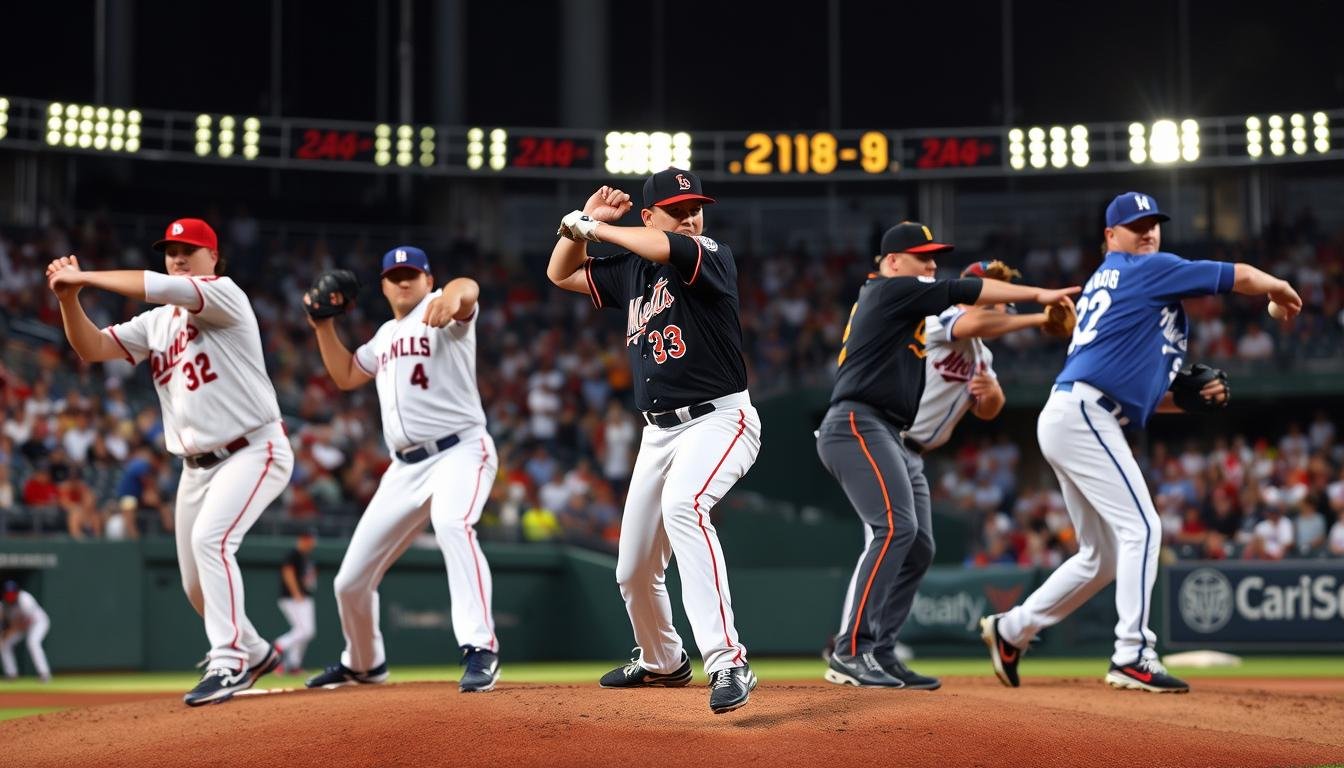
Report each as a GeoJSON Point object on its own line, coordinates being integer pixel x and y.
{"type": "Point", "coordinates": [1145, 675]}
{"type": "Point", "coordinates": [482, 670]}
{"type": "Point", "coordinates": [339, 675]}
{"type": "Point", "coordinates": [862, 671]}
{"type": "Point", "coordinates": [1004, 656]}
{"type": "Point", "coordinates": [912, 679]}
{"type": "Point", "coordinates": [218, 684]}
{"type": "Point", "coordinates": [633, 675]}
{"type": "Point", "coordinates": [730, 688]}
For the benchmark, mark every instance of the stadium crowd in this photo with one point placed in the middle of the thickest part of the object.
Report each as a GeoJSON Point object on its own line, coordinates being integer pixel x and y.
{"type": "Point", "coordinates": [81, 446]}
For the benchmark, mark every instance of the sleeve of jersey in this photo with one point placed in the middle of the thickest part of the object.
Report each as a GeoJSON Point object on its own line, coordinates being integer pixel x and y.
{"type": "Point", "coordinates": [1173, 277]}
{"type": "Point", "coordinates": [702, 261]}
{"type": "Point", "coordinates": [133, 338]}
{"type": "Point", "coordinates": [216, 300]}
{"type": "Point", "coordinates": [459, 328]}
{"type": "Point", "coordinates": [909, 297]}
{"type": "Point", "coordinates": [367, 359]}
{"type": "Point", "coordinates": [606, 280]}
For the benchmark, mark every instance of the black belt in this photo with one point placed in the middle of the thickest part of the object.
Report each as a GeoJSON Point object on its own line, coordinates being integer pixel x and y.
{"type": "Point", "coordinates": [667, 419]}
{"type": "Point", "coordinates": [913, 445]}
{"type": "Point", "coordinates": [424, 451]}
{"type": "Point", "coordinates": [208, 460]}
{"type": "Point", "coordinates": [1103, 401]}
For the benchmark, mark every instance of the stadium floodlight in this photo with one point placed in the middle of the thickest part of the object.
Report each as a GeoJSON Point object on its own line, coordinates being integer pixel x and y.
{"type": "Point", "coordinates": [251, 137]}
{"type": "Point", "coordinates": [475, 148]}
{"type": "Point", "coordinates": [1078, 143]}
{"type": "Point", "coordinates": [1189, 140]}
{"type": "Point", "coordinates": [1017, 149]}
{"type": "Point", "coordinates": [681, 150]}
{"type": "Point", "coordinates": [1163, 143]}
{"type": "Point", "coordinates": [1321, 131]}
{"type": "Point", "coordinates": [1059, 146]}
{"type": "Point", "coordinates": [499, 149]}
{"type": "Point", "coordinates": [426, 146]}
{"type": "Point", "coordinates": [382, 144]}
{"type": "Point", "coordinates": [1036, 146]}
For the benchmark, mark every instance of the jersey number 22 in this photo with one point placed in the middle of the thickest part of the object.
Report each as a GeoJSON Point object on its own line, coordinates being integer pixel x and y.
{"type": "Point", "coordinates": [1090, 310]}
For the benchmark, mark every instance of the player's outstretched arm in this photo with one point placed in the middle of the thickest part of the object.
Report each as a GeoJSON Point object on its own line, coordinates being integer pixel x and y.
{"type": "Point", "coordinates": [90, 343]}
{"type": "Point", "coordinates": [339, 361]}
{"type": "Point", "coordinates": [604, 206]}
{"type": "Point", "coordinates": [1251, 281]}
{"type": "Point", "coordinates": [456, 302]}
{"type": "Point", "coordinates": [986, 324]}
{"type": "Point", "coordinates": [999, 292]}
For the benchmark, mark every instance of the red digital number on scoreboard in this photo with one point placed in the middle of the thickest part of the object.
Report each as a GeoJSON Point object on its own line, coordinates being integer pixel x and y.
{"type": "Point", "coordinates": [549, 152]}
{"type": "Point", "coordinates": [956, 152]}
{"type": "Point", "coordinates": [317, 144]}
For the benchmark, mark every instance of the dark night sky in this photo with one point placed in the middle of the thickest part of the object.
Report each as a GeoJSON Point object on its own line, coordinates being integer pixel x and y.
{"type": "Point", "coordinates": [727, 65]}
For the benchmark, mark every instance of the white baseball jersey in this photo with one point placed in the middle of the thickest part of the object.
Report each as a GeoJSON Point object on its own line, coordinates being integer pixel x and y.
{"type": "Point", "coordinates": [405, 357]}
{"type": "Point", "coordinates": [204, 351]}
{"type": "Point", "coordinates": [950, 363]}
{"type": "Point", "coordinates": [25, 611]}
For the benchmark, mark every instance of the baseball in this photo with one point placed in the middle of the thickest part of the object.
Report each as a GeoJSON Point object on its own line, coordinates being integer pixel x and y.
{"type": "Point", "coordinates": [1275, 311]}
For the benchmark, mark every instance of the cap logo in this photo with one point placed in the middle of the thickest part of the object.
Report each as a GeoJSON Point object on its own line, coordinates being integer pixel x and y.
{"type": "Point", "coordinates": [1143, 203]}
{"type": "Point", "coordinates": [400, 256]}
{"type": "Point", "coordinates": [177, 228]}
{"type": "Point", "coordinates": [683, 182]}
{"type": "Point", "coordinates": [927, 234]}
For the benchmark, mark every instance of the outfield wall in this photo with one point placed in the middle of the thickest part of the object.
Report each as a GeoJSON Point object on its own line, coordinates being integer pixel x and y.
{"type": "Point", "coordinates": [119, 605]}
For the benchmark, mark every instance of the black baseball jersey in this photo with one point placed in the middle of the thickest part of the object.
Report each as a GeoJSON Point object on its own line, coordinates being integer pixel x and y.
{"type": "Point", "coordinates": [304, 572]}
{"type": "Point", "coordinates": [682, 329]}
{"type": "Point", "coordinates": [882, 360]}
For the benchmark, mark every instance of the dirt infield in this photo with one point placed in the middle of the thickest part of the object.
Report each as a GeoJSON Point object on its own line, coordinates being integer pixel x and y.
{"type": "Point", "coordinates": [970, 722]}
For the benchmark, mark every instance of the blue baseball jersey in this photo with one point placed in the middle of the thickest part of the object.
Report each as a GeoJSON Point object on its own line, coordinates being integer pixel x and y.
{"type": "Point", "coordinates": [1131, 335]}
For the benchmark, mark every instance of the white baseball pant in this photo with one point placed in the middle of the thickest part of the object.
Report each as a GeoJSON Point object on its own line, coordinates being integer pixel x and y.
{"type": "Point", "coordinates": [1119, 533]}
{"type": "Point", "coordinates": [33, 636]}
{"type": "Point", "coordinates": [680, 474]}
{"type": "Point", "coordinates": [448, 489]}
{"type": "Point", "coordinates": [215, 508]}
{"type": "Point", "coordinates": [301, 614]}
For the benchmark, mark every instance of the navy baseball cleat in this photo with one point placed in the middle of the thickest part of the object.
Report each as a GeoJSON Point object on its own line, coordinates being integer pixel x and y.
{"type": "Point", "coordinates": [633, 675]}
{"type": "Point", "coordinates": [218, 684]}
{"type": "Point", "coordinates": [862, 671]}
{"type": "Point", "coordinates": [1145, 675]}
{"type": "Point", "coordinates": [730, 688]}
{"type": "Point", "coordinates": [912, 679]}
{"type": "Point", "coordinates": [339, 675]}
{"type": "Point", "coordinates": [482, 670]}
{"type": "Point", "coordinates": [1004, 656]}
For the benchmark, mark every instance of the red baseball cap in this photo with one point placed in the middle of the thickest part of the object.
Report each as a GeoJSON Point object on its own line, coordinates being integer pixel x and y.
{"type": "Point", "coordinates": [190, 231]}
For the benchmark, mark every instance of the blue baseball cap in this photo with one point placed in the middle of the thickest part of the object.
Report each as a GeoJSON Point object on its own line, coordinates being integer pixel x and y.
{"type": "Point", "coordinates": [1132, 206]}
{"type": "Point", "coordinates": [405, 256]}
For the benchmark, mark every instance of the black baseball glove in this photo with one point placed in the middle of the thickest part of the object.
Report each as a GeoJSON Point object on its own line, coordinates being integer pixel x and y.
{"type": "Point", "coordinates": [331, 294]}
{"type": "Point", "coordinates": [1185, 389]}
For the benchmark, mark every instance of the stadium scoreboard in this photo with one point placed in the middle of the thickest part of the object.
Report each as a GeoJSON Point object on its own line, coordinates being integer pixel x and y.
{"type": "Point", "coordinates": [779, 155]}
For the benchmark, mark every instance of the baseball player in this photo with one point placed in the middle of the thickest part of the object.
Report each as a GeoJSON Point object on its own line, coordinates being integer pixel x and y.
{"type": "Point", "coordinates": [219, 414]}
{"type": "Point", "coordinates": [443, 461]}
{"type": "Point", "coordinates": [1124, 363]}
{"type": "Point", "coordinates": [298, 577]}
{"type": "Point", "coordinates": [679, 290]}
{"type": "Point", "coordinates": [24, 620]}
{"type": "Point", "coordinates": [868, 442]}
{"type": "Point", "coordinates": [959, 378]}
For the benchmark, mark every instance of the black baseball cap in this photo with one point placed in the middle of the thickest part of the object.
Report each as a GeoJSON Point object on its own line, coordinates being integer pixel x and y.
{"type": "Point", "coordinates": [673, 186]}
{"type": "Point", "coordinates": [910, 237]}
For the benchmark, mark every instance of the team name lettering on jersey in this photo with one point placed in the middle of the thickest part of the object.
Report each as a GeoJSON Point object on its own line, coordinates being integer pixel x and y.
{"type": "Point", "coordinates": [161, 362]}
{"type": "Point", "coordinates": [641, 312]}
{"type": "Point", "coordinates": [1105, 278]}
{"type": "Point", "coordinates": [955, 367]}
{"type": "Point", "coordinates": [404, 347]}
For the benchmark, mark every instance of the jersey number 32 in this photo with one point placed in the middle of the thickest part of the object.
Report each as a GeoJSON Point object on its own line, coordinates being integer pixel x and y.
{"type": "Point", "coordinates": [1090, 310]}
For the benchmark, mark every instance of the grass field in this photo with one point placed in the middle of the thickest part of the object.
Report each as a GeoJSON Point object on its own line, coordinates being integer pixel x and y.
{"type": "Point", "coordinates": [587, 672]}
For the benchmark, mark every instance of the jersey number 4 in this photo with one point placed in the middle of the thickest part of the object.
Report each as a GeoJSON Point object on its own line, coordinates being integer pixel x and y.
{"type": "Point", "coordinates": [667, 343]}
{"type": "Point", "coordinates": [205, 376]}
{"type": "Point", "coordinates": [418, 377]}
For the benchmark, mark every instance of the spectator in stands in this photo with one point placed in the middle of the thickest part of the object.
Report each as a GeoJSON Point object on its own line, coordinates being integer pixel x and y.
{"type": "Point", "coordinates": [7, 499]}
{"type": "Point", "coordinates": [1335, 545]}
{"type": "Point", "coordinates": [77, 501]}
{"type": "Point", "coordinates": [1310, 528]}
{"type": "Point", "coordinates": [40, 490]}
{"type": "Point", "coordinates": [1256, 344]}
{"type": "Point", "coordinates": [1272, 537]}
